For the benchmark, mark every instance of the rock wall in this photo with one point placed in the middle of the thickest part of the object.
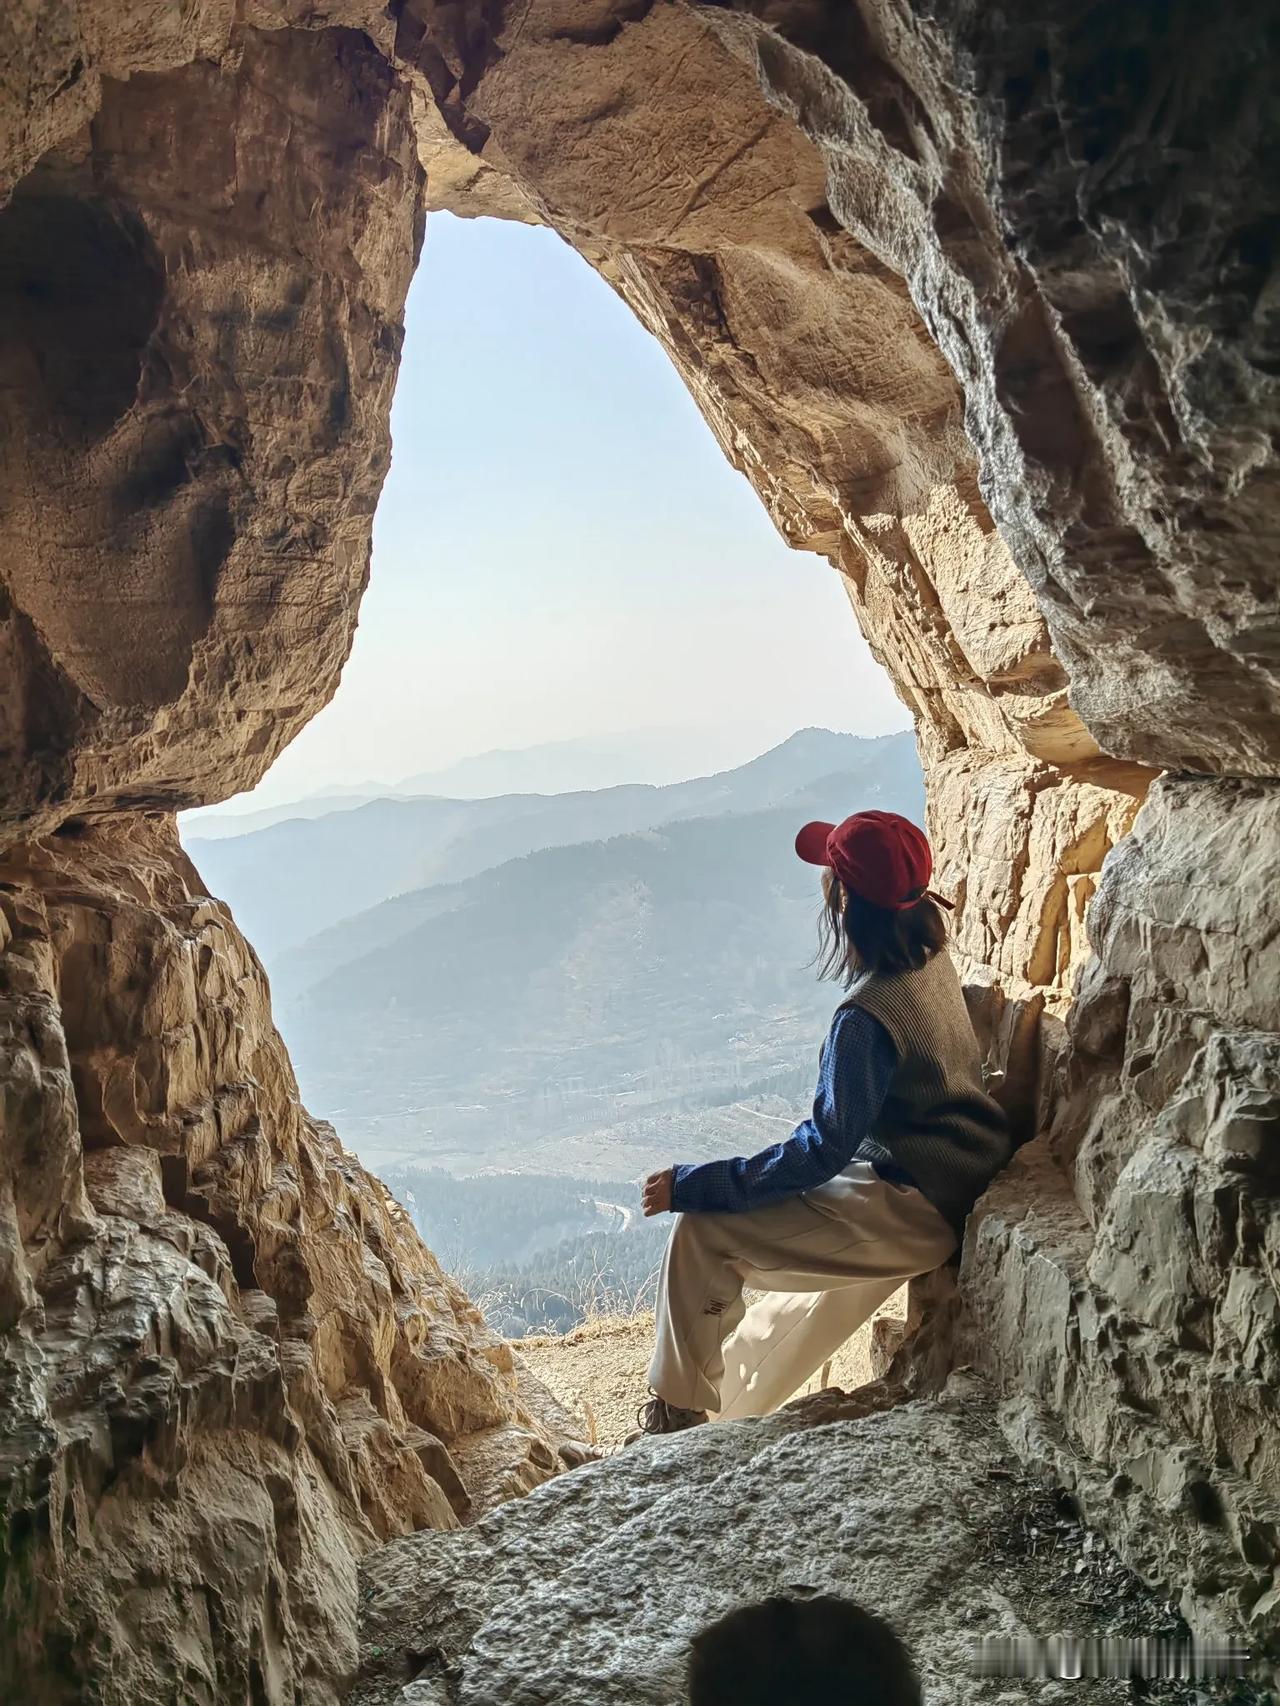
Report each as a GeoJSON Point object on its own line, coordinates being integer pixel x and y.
{"type": "Point", "coordinates": [983, 305]}
{"type": "Point", "coordinates": [200, 303]}
{"type": "Point", "coordinates": [230, 1365]}
{"type": "Point", "coordinates": [1125, 1272]}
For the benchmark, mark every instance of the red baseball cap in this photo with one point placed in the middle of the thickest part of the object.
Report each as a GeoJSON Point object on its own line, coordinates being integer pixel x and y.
{"type": "Point", "coordinates": [880, 856]}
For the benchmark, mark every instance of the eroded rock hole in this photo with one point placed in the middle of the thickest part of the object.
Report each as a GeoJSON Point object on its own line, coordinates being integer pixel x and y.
{"type": "Point", "coordinates": [81, 286]}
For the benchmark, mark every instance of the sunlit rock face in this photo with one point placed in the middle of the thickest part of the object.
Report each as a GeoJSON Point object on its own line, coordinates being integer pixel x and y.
{"type": "Point", "coordinates": [231, 1366]}
{"type": "Point", "coordinates": [1139, 1239]}
{"type": "Point", "coordinates": [201, 298]}
{"type": "Point", "coordinates": [983, 304]}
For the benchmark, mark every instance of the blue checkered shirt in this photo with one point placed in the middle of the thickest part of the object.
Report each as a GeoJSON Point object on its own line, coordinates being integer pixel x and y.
{"type": "Point", "coordinates": [858, 1064]}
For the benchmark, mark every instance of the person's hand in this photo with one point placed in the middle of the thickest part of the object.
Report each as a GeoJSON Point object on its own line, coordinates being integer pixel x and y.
{"type": "Point", "coordinates": [655, 1197]}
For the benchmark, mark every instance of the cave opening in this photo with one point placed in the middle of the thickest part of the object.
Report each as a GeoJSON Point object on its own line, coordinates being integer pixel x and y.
{"type": "Point", "coordinates": [563, 933]}
{"type": "Point", "coordinates": [962, 295]}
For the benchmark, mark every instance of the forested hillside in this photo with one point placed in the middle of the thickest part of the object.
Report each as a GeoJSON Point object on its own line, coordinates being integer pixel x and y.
{"type": "Point", "coordinates": [539, 1254]}
{"type": "Point", "coordinates": [585, 1009]}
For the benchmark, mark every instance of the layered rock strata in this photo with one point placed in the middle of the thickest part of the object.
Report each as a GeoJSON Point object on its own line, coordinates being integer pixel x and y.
{"type": "Point", "coordinates": [983, 304]}
{"type": "Point", "coordinates": [1125, 1272]}
{"type": "Point", "coordinates": [230, 1365]}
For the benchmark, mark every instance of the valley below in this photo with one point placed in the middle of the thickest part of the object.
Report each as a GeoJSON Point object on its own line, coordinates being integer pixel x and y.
{"type": "Point", "coordinates": [535, 1000]}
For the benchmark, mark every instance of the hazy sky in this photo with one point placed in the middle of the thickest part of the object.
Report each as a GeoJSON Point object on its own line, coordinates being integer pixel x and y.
{"type": "Point", "coordinates": [561, 548]}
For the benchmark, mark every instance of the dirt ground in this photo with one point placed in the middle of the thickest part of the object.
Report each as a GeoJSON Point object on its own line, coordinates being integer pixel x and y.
{"type": "Point", "coordinates": [598, 1372]}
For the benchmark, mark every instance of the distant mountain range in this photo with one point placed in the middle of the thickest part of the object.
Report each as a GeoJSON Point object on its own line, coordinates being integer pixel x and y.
{"type": "Point", "coordinates": [654, 756]}
{"type": "Point", "coordinates": [657, 756]}
{"type": "Point", "coordinates": [291, 880]}
{"type": "Point", "coordinates": [210, 824]}
{"type": "Point", "coordinates": [582, 984]}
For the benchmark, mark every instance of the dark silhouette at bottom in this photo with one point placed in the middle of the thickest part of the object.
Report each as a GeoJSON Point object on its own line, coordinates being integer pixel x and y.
{"type": "Point", "coordinates": [822, 1651]}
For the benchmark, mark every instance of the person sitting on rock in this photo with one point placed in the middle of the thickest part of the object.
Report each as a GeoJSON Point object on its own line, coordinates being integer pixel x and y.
{"type": "Point", "coordinates": [869, 1191]}
{"type": "Point", "coordinates": [801, 1652]}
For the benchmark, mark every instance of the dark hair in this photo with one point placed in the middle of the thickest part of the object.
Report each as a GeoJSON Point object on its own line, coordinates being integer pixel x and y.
{"type": "Point", "coordinates": [855, 936]}
{"type": "Point", "coordinates": [801, 1652]}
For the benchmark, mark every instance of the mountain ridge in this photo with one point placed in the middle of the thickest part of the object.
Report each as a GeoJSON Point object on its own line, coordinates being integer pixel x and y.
{"type": "Point", "coordinates": [580, 1008]}
{"type": "Point", "coordinates": [290, 880]}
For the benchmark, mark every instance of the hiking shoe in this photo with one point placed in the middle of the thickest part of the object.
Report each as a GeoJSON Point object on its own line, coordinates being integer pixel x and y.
{"type": "Point", "coordinates": [659, 1417]}
{"type": "Point", "coordinates": [573, 1453]}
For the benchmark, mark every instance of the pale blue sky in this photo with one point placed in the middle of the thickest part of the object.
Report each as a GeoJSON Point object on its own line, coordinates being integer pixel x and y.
{"type": "Point", "coordinates": [561, 548]}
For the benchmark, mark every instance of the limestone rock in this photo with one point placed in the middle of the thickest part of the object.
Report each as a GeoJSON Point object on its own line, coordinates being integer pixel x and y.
{"type": "Point", "coordinates": [983, 303]}
{"type": "Point", "coordinates": [1136, 1292]}
{"type": "Point", "coordinates": [230, 1365]}
{"type": "Point", "coordinates": [1178, 1014]}
{"type": "Point", "coordinates": [1150, 1351]}
{"type": "Point", "coordinates": [1093, 277]}
{"type": "Point", "coordinates": [588, 1592]}
{"type": "Point", "coordinates": [201, 296]}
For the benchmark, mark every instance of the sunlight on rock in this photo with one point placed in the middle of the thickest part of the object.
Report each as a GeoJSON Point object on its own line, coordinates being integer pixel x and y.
{"type": "Point", "coordinates": [982, 305]}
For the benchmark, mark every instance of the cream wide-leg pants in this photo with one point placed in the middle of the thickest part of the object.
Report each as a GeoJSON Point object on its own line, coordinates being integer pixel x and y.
{"type": "Point", "coordinates": [825, 1259]}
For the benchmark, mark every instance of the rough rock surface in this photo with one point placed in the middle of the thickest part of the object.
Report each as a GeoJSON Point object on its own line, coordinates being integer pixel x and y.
{"type": "Point", "coordinates": [983, 302]}
{"type": "Point", "coordinates": [587, 1593]}
{"type": "Point", "coordinates": [1126, 1270]}
{"type": "Point", "coordinates": [200, 301]}
{"type": "Point", "coordinates": [230, 1366]}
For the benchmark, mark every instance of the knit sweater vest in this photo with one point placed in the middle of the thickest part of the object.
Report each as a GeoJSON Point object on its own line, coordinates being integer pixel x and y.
{"type": "Point", "coordinates": [937, 1121]}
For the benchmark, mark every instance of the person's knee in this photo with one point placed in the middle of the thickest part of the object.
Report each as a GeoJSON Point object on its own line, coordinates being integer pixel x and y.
{"type": "Point", "coordinates": [693, 1235]}
{"type": "Point", "coordinates": [801, 1652]}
